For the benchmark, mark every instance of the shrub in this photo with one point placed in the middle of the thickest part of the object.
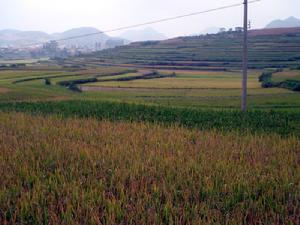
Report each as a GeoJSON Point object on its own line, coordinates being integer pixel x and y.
{"type": "Point", "coordinates": [297, 88]}
{"type": "Point", "coordinates": [74, 87]}
{"type": "Point", "coordinates": [47, 81]}
{"type": "Point", "coordinates": [265, 76]}
{"type": "Point", "coordinates": [74, 82]}
{"type": "Point", "coordinates": [267, 84]}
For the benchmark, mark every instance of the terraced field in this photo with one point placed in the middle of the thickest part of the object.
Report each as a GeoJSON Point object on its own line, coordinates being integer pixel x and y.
{"type": "Point", "coordinates": [267, 48]}
{"type": "Point", "coordinates": [213, 89]}
{"type": "Point", "coordinates": [28, 84]}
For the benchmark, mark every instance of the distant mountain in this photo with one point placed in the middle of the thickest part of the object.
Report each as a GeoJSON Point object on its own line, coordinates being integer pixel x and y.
{"type": "Point", "coordinates": [9, 32]}
{"type": "Point", "coordinates": [18, 38]}
{"type": "Point", "coordinates": [88, 41]}
{"type": "Point", "coordinates": [147, 34]}
{"type": "Point", "coordinates": [78, 31]}
{"type": "Point", "coordinates": [289, 22]}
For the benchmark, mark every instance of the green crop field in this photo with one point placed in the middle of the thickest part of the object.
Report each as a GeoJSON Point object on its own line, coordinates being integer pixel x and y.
{"type": "Point", "coordinates": [186, 80]}
{"type": "Point", "coordinates": [152, 133]}
{"type": "Point", "coordinates": [192, 89]}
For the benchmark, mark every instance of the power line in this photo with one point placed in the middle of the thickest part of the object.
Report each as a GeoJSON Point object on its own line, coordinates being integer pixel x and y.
{"type": "Point", "coordinates": [149, 23]}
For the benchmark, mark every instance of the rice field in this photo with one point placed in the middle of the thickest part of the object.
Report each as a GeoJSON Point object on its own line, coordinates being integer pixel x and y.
{"type": "Point", "coordinates": [58, 170]}
{"type": "Point", "coordinates": [189, 89]}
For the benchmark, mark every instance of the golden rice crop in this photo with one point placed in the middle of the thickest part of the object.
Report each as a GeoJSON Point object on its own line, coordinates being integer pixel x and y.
{"type": "Point", "coordinates": [84, 171]}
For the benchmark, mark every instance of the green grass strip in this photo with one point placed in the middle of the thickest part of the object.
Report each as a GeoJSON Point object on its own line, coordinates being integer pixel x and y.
{"type": "Point", "coordinates": [280, 122]}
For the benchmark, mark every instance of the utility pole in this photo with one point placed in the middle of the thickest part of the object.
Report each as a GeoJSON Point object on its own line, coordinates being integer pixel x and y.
{"type": "Point", "coordinates": [245, 58]}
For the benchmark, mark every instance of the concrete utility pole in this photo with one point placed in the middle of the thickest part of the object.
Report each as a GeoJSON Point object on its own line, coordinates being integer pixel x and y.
{"type": "Point", "coordinates": [245, 58]}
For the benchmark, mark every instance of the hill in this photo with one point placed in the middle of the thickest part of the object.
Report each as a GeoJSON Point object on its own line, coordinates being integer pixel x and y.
{"type": "Point", "coordinates": [289, 22]}
{"type": "Point", "coordinates": [88, 41]}
{"type": "Point", "coordinates": [18, 38]}
{"type": "Point", "coordinates": [267, 48]}
{"type": "Point", "coordinates": [147, 34]}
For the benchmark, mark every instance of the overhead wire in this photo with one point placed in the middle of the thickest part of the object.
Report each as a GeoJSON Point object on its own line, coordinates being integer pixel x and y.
{"type": "Point", "coordinates": [145, 24]}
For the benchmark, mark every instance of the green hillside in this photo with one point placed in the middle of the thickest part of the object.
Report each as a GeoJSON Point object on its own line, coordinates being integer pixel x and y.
{"type": "Point", "coordinates": [267, 48]}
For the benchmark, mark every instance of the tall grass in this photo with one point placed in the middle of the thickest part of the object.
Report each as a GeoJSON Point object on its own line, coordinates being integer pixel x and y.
{"type": "Point", "coordinates": [83, 171]}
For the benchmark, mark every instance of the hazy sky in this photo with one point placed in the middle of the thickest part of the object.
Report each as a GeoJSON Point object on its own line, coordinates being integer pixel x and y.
{"type": "Point", "coordinates": [59, 15]}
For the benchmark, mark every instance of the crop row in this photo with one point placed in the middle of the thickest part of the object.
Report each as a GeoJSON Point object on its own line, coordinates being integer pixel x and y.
{"type": "Point", "coordinates": [284, 123]}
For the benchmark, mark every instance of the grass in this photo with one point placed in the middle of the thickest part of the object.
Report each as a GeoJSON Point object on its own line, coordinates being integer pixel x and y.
{"type": "Point", "coordinates": [85, 171]}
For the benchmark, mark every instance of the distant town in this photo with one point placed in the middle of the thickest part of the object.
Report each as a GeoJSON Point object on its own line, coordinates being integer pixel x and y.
{"type": "Point", "coordinates": [53, 49]}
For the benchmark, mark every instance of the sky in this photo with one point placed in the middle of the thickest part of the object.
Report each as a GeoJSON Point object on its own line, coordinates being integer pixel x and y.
{"type": "Point", "coordinates": [59, 15]}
